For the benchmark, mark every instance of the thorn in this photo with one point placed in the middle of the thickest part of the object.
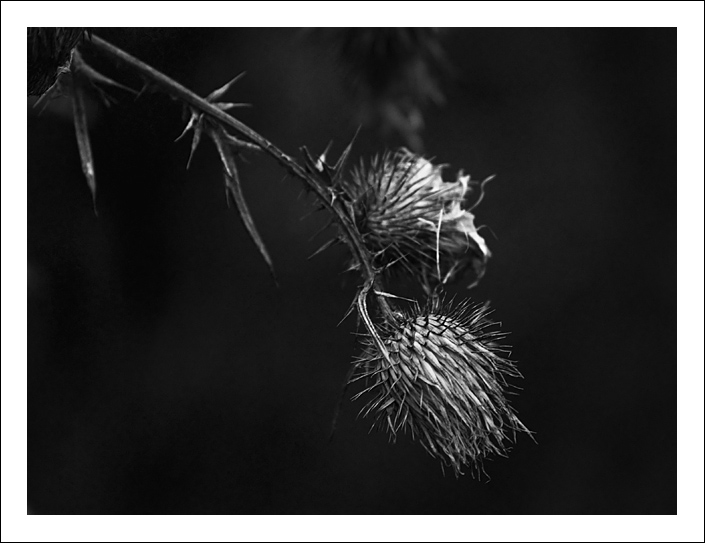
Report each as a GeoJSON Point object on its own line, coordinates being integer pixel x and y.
{"type": "Point", "coordinates": [217, 93]}
{"type": "Point", "coordinates": [225, 106]}
{"type": "Point", "coordinates": [342, 160]}
{"type": "Point", "coordinates": [347, 313]}
{"type": "Point", "coordinates": [197, 131]}
{"type": "Point", "coordinates": [192, 120]}
{"type": "Point", "coordinates": [142, 91]}
{"type": "Point", "coordinates": [438, 245]}
{"type": "Point", "coordinates": [320, 230]}
{"type": "Point", "coordinates": [51, 93]}
{"type": "Point", "coordinates": [321, 162]}
{"type": "Point", "coordinates": [323, 247]}
{"type": "Point", "coordinates": [388, 295]}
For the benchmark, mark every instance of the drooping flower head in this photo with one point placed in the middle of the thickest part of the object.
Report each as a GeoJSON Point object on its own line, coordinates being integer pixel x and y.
{"type": "Point", "coordinates": [443, 378]}
{"type": "Point", "coordinates": [411, 219]}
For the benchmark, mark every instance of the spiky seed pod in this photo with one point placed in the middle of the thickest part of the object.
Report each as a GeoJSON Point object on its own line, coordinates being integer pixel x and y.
{"type": "Point", "coordinates": [444, 380]}
{"type": "Point", "coordinates": [410, 218]}
{"type": "Point", "coordinates": [49, 54]}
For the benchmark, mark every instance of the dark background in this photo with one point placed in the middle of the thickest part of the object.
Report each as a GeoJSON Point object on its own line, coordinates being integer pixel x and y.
{"type": "Point", "coordinates": [168, 374]}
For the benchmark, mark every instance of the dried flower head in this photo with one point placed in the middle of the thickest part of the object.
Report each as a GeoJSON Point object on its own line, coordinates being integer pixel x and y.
{"type": "Point", "coordinates": [443, 378]}
{"type": "Point", "coordinates": [411, 218]}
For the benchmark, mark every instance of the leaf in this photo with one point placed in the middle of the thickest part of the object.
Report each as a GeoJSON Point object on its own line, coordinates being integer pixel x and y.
{"type": "Point", "coordinates": [233, 190]}
{"type": "Point", "coordinates": [225, 106]}
{"type": "Point", "coordinates": [225, 154]}
{"type": "Point", "coordinates": [80, 121]}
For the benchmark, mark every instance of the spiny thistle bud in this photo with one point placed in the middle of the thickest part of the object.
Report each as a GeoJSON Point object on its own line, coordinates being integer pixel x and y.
{"type": "Point", "coordinates": [443, 378]}
{"type": "Point", "coordinates": [407, 214]}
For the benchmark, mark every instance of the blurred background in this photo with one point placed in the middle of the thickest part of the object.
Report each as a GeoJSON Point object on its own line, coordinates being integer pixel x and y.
{"type": "Point", "coordinates": [167, 373]}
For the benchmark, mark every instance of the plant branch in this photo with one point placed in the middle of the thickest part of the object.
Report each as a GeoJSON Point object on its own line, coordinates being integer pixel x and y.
{"type": "Point", "coordinates": [349, 231]}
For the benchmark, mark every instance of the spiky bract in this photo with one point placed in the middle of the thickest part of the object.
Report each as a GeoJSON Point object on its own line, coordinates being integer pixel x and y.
{"type": "Point", "coordinates": [444, 379]}
{"type": "Point", "coordinates": [411, 219]}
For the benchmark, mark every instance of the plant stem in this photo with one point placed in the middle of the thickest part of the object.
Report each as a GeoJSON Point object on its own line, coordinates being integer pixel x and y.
{"type": "Point", "coordinates": [178, 91]}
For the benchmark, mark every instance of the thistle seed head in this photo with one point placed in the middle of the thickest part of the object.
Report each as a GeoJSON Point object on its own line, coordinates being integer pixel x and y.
{"type": "Point", "coordinates": [443, 379]}
{"type": "Point", "coordinates": [411, 219]}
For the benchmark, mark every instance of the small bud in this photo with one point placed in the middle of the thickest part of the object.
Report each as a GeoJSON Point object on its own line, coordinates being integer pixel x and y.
{"type": "Point", "coordinates": [443, 379]}
{"type": "Point", "coordinates": [408, 215]}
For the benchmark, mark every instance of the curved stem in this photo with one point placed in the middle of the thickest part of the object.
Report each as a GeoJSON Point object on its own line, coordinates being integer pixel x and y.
{"type": "Point", "coordinates": [178, 91]}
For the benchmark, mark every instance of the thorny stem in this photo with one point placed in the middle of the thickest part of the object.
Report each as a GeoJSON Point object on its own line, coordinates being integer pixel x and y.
{"type": "Point", "coordinates": [349, 230]}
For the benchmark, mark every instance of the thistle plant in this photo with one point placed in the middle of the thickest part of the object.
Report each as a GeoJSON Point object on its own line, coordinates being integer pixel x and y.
{"type": "Point", "coordinates": [442, 378]}
{"type": "Point", "coordinates": [411, 218]}
{"type": "Point", "coordinates": [433, 368]}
